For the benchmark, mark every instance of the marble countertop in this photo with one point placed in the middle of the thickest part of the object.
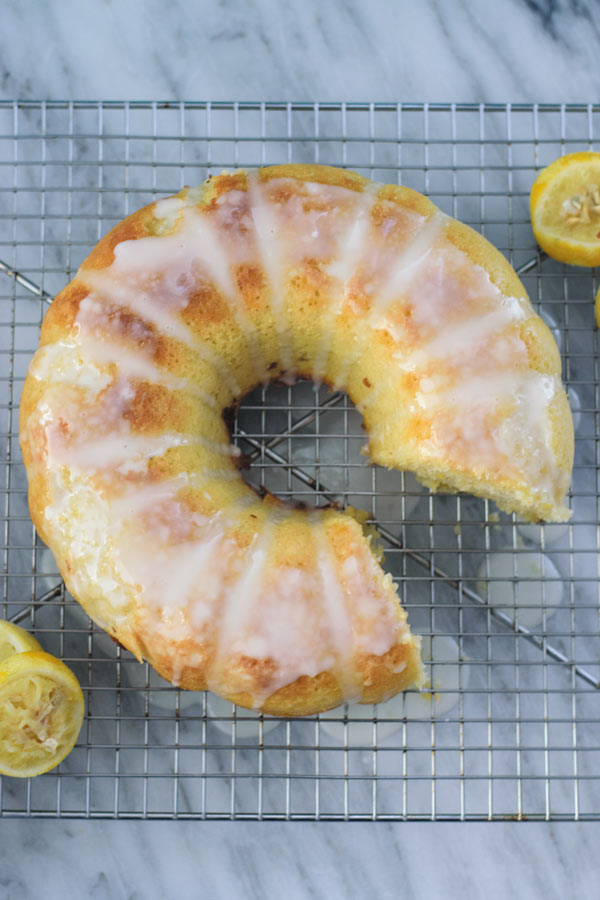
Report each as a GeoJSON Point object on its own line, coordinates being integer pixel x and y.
{"type": "Point", "coordinates": [469, 50]}
{"type": "Point", "coordinates": [386, 50]}
{"type": "Point", "coordinates": [297, 860]}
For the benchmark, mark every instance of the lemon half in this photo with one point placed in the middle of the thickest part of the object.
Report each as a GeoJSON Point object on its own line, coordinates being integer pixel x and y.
{"type": "Point", "coordinates": [14, 639]}
{"type": "Point", "coordinates": [41, 713]}
{"type": "Point", "coordinates": [565, 209]}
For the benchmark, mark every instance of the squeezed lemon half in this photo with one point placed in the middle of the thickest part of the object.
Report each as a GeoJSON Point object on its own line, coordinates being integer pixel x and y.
{"type": "Point", "coordinates": [565, 209]}
{"type": "Point", "coordinates": [41, 713]}
{"type": "Point", "coordinates": [14, 639]}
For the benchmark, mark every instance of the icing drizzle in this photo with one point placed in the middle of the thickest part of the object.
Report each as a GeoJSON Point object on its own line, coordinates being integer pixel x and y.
{"type": "Point", "coordinates": [456, 336]}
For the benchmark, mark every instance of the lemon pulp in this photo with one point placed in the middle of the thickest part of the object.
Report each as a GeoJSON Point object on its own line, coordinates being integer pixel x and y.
{"type": "Point", "coordinates": [41, 713]}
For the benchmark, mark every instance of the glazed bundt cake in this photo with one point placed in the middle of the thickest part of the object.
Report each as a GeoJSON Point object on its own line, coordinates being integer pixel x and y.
{"type": "Point", "coordinates": [186, 306]}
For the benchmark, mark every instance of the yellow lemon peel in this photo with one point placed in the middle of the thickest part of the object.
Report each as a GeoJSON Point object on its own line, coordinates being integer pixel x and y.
{"type": "Point", "coordinates": [14, 639]}
{"type": "Point", "coordinates": [565, 209]}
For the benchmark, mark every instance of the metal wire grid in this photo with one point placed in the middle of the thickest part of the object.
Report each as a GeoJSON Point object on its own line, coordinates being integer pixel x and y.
{"type": "Point", "coordinates": [509, 612]}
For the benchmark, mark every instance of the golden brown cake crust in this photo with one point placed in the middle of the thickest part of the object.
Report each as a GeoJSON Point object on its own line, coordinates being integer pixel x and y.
{"type": "Point", "coordinates": [188, 342]}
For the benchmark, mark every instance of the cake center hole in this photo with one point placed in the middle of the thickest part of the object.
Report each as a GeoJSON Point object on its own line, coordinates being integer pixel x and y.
{"type": "Point", "coordinates": [303, 444]}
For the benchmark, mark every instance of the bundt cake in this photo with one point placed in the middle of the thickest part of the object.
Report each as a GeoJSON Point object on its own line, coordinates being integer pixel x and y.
{"type": "Point", "coordinates": [183, 308]}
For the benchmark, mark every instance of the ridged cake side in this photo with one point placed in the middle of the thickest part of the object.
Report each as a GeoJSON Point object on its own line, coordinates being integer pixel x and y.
{"type": "Point", "coordinates": [186, 306]}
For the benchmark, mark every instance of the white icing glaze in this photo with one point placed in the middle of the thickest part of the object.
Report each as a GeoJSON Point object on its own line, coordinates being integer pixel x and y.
{"type": "Point", "coordinates": [210, 249]}
{"type": "Point", "coordinates": [126, 453]}
{"type": "Point", "coordinates": [168, 208]}
{"type": "Point", "coordinates": [351, 247]}
{"type": "Point", "coordinates": [267, 233]}
{"type": "Point", "coordinates": [63, 364]}
{"type": "Point", "coordinates": [271, 616]}
{"type": "Point", "coordinates": [90, 538]}
{"type": "Point", "coordinates": [277, 223]}
{"type": "Point", "coordinates": [98, 437]}
{"type": "Point", "coordinates": [81, 365]}
{"type": "Point", "coordinates": [108, 283]}
{"type": "Point", "coordinates": [343, 266]}
{"type": "Point", "coordinates": [139, 537]}
{"type": "Point", "coordinates": [335, 606]}
{"type": "Point", "coordinates": [482, 393]}
{"type": "Point", "coordinates": [374, 619]}
{"type": "Point", "coordinates": [235, 635]}
{"type": "Point", "coordinates": [312, 221]}
{"type": "Point", "coordinates": [408, 262]}
{"type": "Point", "coordinates": [464, 336]}
{"type": "Point", "coordinates": [405, 267]}
{"type": "Point", "coordinates": [188, 572]}
{"type": "Point", "coordinates": [140, 497]}
{"type": "Point", "coordinates": [462, 414]}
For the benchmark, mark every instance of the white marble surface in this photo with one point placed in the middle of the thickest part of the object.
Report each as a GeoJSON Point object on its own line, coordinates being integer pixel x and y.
{"type": "Point", "coordinates": [517, 50]}
{"type": "Point", "coordinates": [470, 50]}
{"type": "Point", "coordinates": [220, 861]}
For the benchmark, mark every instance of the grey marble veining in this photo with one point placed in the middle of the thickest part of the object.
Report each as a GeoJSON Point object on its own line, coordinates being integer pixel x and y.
{"type": "Point", "coordinates": [517, 50]}
{"type": "Point", "coordinates": [185, 860]}
{"type": "Point", "coordinates": [469, 50]}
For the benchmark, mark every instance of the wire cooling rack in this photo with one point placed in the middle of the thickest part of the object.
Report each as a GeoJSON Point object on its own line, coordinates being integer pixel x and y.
{"type": "Point", "coordinates": [508, 611]}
